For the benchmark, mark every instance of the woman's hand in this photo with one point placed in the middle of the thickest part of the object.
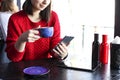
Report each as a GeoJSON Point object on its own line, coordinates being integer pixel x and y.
{"type": "Point", "coordinates": [28, 36]}
{"type": "Point", "coordinates": [60, 51]}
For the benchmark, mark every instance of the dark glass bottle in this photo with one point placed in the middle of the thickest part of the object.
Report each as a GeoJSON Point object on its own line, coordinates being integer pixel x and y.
{"type": "Point", "coordinates": [104, 48]}
{"type": "Point", "coordinates": [95, 51]}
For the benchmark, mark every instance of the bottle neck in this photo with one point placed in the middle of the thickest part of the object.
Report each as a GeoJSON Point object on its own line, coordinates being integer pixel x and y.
{"type": "Point", "coordinates": [104, 38]}
{"type": "Point", "coordinates": [96, 37]}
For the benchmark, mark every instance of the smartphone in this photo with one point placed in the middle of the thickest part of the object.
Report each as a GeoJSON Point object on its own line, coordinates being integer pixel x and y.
{"type": "Point", "coordinates": [67, 39]}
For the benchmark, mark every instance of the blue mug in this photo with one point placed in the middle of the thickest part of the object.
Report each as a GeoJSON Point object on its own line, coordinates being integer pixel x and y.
{"type": "Point", "coordinates": [46, 32]}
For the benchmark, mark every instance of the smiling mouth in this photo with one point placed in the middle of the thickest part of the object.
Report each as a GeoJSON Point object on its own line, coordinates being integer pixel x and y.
{"type": "Point", "coordinates": [42, 6]}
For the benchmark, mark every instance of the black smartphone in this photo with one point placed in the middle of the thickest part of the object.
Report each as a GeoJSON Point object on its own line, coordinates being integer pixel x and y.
{"type": "Point", "coordinates": [67, 39]}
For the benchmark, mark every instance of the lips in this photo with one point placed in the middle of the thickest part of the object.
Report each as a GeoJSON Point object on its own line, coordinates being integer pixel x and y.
{"type": "Point", "coordinates": [42, 6]}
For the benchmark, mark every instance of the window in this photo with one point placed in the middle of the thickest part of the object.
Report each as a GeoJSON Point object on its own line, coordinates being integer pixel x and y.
{"type": "Point", "coordinates": [83, 18]}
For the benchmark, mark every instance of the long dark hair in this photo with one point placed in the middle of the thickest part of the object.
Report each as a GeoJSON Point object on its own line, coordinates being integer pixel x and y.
{"type": "Point", "coordinates": [44, 14]}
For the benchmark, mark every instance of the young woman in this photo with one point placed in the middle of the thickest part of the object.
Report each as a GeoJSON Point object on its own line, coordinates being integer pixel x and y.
{"type": "Point", "coordinates": [7, 8]}
{"type": "Point", "coordinates": [23, 41]}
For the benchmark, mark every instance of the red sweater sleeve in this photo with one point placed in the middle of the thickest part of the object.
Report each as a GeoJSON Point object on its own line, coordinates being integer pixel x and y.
{"type": "Point", "coordinates": [56, 37]}
{"type": "Point", "coordinates": [12, 36]}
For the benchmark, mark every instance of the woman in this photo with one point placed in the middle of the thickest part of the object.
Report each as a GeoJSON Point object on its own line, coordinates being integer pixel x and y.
{"type": "Point", "coordinates": [23, 41]}
{"type": "Point", "coordinates": [7, 8]}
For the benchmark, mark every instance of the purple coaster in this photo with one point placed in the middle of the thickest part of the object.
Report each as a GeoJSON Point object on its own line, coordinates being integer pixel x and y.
{"type": "Point", "coordinates": [36, 70]}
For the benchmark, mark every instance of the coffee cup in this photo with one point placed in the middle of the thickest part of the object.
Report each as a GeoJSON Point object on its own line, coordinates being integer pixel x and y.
{"type": "Point", "coordinates": [46, 32]}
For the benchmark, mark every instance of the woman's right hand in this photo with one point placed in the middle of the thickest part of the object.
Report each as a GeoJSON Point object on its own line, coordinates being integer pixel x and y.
{"type": "Point", "coordinates": [28, 36]}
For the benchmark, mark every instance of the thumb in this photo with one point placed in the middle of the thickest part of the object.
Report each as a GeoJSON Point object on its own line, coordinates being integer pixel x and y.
{"type": "Point", "coordinates": [37, 27]}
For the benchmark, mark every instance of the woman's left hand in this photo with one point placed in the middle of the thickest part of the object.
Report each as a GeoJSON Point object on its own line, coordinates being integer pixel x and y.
{"type": "Point", "coordinates": [61, 50]}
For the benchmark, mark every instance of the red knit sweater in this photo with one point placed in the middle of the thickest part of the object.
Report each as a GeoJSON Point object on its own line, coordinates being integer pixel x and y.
{"type": "Point", "coordinates": [19, 23]}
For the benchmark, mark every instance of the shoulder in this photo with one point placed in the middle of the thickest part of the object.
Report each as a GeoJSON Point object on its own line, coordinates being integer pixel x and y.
{"type": "Point", "coordinates": [54, 14]}
{"type": "Point", "coordinates": [18, 15]}
{"type": "Point", "coordinates": [5, 14]}
{"type": "Point", "coordinates": [4, 17]}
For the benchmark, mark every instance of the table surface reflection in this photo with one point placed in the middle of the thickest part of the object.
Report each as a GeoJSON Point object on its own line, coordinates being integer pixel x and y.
{"type": "Point", "coordinates": [14, 71]}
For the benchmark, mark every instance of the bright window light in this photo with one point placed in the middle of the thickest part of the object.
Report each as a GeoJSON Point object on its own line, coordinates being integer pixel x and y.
{"type": "Point", "coordinates": [83, 18]}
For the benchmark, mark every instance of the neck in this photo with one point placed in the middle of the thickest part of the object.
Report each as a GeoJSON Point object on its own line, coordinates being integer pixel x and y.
{"type": "Point", "coordinates": [35, 17]}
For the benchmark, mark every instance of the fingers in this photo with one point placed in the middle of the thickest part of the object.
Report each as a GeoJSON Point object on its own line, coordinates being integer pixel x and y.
{"type": "Point", "coordinates": [56, 53]}
{"type": "Point", "coordinates": [33, 35]}
{"type": "Point", "coordinates": [63, 47]}
{"type": "Point", "coordinates": [61, 50]}
{"type": "Point", "coordinates": [30, 36]}
{"type": "Point", "coordinates": [37, 27]}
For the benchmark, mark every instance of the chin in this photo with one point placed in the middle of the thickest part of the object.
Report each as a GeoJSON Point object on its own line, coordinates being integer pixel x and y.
{"type": "Point", "coordinates": [42, 9]}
